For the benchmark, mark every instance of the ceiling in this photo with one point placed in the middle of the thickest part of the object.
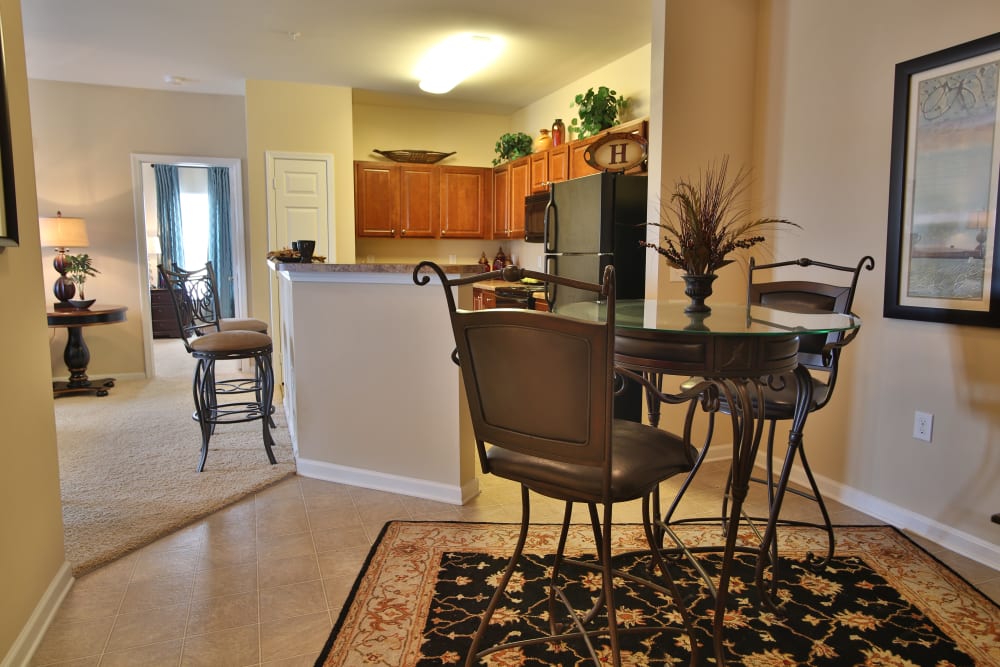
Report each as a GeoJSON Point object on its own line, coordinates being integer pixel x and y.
{"type": "Point", "coordinates": [214, 46]}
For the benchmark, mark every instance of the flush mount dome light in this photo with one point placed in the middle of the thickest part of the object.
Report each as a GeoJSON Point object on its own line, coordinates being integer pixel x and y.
{"type": "Point", "coordinates": [456, 58]}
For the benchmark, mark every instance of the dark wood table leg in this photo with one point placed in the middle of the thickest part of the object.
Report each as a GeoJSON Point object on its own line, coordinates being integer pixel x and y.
{"type": "Point", "coordinates": [77, 357]}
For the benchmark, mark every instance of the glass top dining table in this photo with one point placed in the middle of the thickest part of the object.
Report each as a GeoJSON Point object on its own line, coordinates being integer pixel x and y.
{"type": "Point", "coordinates": [734, 350]}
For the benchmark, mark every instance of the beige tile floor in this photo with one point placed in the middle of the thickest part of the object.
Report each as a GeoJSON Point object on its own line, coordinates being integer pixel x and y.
{"type": "Point", "coordinates": [262, 581]}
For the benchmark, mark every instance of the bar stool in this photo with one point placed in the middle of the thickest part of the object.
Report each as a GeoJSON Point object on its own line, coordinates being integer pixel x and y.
{"type": "Point", "coordinates": [193, 297]}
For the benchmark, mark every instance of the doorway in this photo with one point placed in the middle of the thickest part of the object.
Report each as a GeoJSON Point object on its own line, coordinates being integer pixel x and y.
{"type": "Point", "coordinates": [144, 190]}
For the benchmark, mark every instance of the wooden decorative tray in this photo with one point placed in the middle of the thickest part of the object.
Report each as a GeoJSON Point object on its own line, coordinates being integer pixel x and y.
{"type": "Point", "coordinates": [423, 157]}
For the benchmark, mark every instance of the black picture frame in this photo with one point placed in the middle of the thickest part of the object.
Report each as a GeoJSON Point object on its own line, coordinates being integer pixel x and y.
{"type": "Point", "coordinates": [8, 212]}
{"type": "Point", "coordinates": [942, 253]}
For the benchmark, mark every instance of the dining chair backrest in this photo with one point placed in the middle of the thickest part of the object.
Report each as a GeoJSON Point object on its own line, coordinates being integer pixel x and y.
{"type": "Point", "coordinates": [537, 383]}
{"type": "Point", "coordinates": [818, 352]}
{"type": "Point", "coordinates": [195, 300]}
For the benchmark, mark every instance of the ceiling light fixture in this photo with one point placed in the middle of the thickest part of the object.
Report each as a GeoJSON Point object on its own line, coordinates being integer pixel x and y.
{"type": "Point", "coordinates": [456, 58]}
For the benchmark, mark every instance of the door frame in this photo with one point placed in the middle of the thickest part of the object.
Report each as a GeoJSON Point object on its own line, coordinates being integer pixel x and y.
{"type": "Point", "coordinates": [272, 242]}
{"type": "Point", "coordinates": [236, 230]}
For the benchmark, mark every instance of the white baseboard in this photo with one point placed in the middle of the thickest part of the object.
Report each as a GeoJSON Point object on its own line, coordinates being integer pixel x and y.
{"type": "Point", "coordinates": [27, 641]}
{"type": "Point", "coordinates": [369, 479]}
{"type": "Point", "coordinates": [958, 541]}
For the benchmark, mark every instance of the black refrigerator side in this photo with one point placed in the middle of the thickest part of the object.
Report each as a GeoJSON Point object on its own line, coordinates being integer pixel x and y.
{"type": "Point", "coordinates": [628, 223]}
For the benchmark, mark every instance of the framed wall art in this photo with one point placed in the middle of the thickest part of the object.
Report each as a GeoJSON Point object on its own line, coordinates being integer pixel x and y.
{"type": "Point", "coordinates": [941, 255]}
{"type": "Point", "coordinates": [8, 198]}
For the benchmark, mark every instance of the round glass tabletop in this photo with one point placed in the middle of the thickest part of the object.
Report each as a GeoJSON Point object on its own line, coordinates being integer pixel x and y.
{"type": "Point", "coordinates": [724, 319]}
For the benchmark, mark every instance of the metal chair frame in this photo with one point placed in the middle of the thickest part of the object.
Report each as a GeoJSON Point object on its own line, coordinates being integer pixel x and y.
{"type": "Point", "coordinates": [538, 457]}
{"type": "Point", "coordinates": [194, 297]}
{"type": "Point", "coordinates": [816, 353]}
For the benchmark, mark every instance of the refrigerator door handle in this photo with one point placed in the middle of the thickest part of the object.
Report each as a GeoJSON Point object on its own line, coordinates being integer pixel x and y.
{"type": "Point", "coordinates": [550, 289]}
{"type": "Point", "coordinates": [550, 221]}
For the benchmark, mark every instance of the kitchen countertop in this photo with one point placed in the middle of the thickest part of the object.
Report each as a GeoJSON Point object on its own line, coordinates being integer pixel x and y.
{"type": "Point", "coordinates": [319, 267]}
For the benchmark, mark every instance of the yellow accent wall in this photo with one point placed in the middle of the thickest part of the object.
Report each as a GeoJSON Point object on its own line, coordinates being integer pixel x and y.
{"type": "Point", "coordinates": [304, 118]}
{"type": "Point", "coordinates": [31, 532]}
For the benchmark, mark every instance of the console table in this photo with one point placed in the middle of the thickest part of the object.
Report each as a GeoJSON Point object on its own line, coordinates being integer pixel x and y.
{"type": "Point", "coordinates": [76, 355]}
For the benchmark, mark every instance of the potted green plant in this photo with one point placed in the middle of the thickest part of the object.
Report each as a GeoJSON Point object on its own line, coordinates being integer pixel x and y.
{"type": "Point", "coordinates": [705, 221]}
{"type": "Point", "coordinates": [78, 269]}
{"type": "Point", "coordinates": [598, 110]}
{"type": "Point", "coordinates": [511, 146]}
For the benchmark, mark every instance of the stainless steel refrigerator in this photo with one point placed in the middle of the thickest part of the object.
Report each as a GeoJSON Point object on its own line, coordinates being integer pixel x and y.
{"type": "Point", "coordinates": [591, 222]}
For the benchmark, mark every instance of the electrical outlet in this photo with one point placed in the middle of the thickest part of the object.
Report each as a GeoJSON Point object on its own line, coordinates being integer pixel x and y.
{"type": "Point", "coordinates": [923, 423]}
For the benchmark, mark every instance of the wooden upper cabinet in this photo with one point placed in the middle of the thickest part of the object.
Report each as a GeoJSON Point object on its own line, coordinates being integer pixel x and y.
{"type": "Point", "coordinates": [418, 201]}
{"type": "Point", "coordinates": [376, 200]}
{"type": "Point", "coordinates": [520, 187]}
{"type": "Point", "coordinates": [577, 164]}
{"type": "Point", "coordinates": [501, 201]}
{"type": "Point", "coordinates": [539, 171]}
{"type": "Point", "coordinates": [559, 163]}
{"type": "Point", "coordinates": [466, 202]}
{"type": "Point", "coordinates": [407, 201]}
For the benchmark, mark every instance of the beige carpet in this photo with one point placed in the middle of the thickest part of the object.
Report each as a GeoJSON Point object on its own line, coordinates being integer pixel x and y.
{"type": "Point", "coordinates": [127, 462]}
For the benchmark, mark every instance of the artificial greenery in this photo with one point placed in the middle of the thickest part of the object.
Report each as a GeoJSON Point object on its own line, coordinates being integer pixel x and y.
{"type": "Point", "coordinates": [78, 269]}
{"type": "Point", "coordinates": [511, 146]}
{"type": "Point", "coordinates": [705, 221]}
{"type": "Point", "coordinates": [597, 111]}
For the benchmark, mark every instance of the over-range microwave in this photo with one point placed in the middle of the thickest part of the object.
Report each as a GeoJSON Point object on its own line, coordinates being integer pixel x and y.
{"type": "Point", "coordinates": [534, 217]}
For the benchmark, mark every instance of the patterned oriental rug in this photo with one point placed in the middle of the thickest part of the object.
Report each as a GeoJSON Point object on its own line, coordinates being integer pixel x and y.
{"type": "Point", "coordinates": [882, 601]}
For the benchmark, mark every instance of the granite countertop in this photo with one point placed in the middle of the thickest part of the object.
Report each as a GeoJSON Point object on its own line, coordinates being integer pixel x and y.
{"type": "Point", "coordinates": [319, 267]}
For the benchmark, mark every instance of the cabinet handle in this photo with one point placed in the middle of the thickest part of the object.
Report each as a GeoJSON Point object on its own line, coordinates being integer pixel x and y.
{"type": "Point", "coordinates": [402, 232]}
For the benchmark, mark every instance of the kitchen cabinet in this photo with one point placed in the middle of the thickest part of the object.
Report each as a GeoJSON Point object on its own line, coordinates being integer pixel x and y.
{"type": "Point", "coordinates": [400, 200]}
{"type": "Point", "coordinates": [164, 316]}
{"type": "Point", "coordinates": [511, 184]}
{"type": "Point", "coordinates": [483, 298]}
{"type": "Point", "coordinates": [466, 202]}
{"type": "Point", "coordinates": [419, 205]}
{"type": "Point", "coordinates": [559, 163]}
{"type": "Point", "coordinates": [539, 167]}
{"type": "Point", "coordinates": [501, 200]}
{"type": "Point", "coordinates": [376, 199]}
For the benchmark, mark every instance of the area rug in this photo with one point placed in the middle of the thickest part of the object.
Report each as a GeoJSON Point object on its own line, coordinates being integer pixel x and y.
{"type": "Point", "coordinates": [127, 464]}
{"type": "Point", "coordinates": [882, 601]}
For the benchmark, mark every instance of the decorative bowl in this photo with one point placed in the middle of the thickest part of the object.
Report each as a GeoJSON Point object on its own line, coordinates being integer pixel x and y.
{"type": "Point", "coordinates": [423, 157]}
{"type": "Point", "coordinates": [82, 305]}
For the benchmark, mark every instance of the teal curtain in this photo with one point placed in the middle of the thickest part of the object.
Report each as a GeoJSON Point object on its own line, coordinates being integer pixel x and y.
{"type": "Point", "coordinates": [220, 249]}
{"type": "Point", "coordinates": [168, 209]}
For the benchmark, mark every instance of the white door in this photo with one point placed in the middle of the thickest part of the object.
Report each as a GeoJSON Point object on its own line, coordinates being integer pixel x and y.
{"type": "Point", "coordinates": [301, 195]}
{"type": "Point", "coordinates": [299, 207]}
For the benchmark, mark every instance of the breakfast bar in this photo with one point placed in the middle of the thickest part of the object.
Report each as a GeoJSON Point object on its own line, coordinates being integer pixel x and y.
{"type": "Point", "coordinates": [370, 393]}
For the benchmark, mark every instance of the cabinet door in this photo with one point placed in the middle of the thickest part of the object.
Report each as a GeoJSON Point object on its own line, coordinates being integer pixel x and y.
{"type": "Point", "coordinates": [539, 171]}
{"type": "Point", "coordinates": [376, 199]}
{"type": "Point", "coordinates": [559, 163]}
{"type": "Point", "coordinates": [418, 201]}
{"type": "Point", "coordinates": [577, 164]}
{"type": "Point", "coordinates": [501, 201]}
{"type": "Point", "coordinates": [466, 203]}
{"type": "Point", "coordinates": [520, 187]}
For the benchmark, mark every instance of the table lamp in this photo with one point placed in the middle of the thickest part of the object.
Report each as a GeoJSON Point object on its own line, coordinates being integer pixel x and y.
{"type": "Point", "coordinates": [63, 233]}
{"type": "Point", "coordinates": [153, 249]}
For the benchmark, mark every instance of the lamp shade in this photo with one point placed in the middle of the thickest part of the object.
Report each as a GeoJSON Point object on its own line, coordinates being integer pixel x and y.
{"type": "Point", "coordinates": [60, 232]}
{"type": "Point", "coordinates": [153, 245]}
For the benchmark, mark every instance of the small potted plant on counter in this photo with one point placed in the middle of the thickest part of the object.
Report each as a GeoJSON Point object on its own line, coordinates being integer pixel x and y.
{"type": "Point", "coordinates": [78, 269]}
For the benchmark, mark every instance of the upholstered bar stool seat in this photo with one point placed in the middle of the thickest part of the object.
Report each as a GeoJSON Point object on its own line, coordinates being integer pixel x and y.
{"type": "Point", "coordinates": [228, 342]}
{"type": "Point", "coordinates": [242, 324]}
